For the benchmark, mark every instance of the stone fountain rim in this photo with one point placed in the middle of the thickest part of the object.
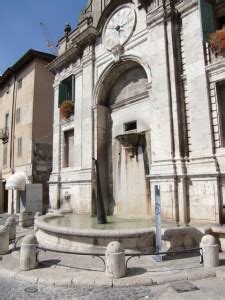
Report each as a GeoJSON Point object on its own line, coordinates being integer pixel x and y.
{"type": "Point", "coordinates": [41, 223]}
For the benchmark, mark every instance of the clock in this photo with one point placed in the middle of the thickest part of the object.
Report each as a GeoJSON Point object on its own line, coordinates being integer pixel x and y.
{"type": "Point", "coordinates": [119, 27]}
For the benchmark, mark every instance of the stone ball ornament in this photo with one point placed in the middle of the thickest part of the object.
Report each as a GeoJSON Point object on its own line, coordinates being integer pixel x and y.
{"type": "Point", "coordinates": [119, 27]}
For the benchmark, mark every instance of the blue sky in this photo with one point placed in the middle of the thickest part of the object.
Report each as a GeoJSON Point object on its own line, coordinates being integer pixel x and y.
{"type": "Point", "coordinates": [20, 25]}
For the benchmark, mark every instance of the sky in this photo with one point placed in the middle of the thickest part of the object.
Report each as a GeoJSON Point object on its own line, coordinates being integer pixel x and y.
{"type": "Point", "coordinates": [20, 28]}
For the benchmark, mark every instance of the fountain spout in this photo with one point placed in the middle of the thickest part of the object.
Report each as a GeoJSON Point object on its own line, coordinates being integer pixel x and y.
{"type": "Point", "coordinates": [100, 207]}
{"type": "Point", "coordinates": [131, 141]}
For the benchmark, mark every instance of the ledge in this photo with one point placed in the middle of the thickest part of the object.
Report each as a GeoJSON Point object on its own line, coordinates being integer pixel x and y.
{"type": "Point", "coordinates": [43, 225]}
{"type": "Point", "coordinates": [216, 65]}
{"type": "Point", "coordinates": [88, 36]}
{"type": "Point", "coordinates": [70, 55]}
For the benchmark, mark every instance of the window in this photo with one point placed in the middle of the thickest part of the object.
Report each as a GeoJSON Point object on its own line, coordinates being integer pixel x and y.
{"type": "Point", "coordinates": [68, 149]}
{"type": "Point", "coordinates": [130, 126]}
{"type": "Point", "coordinates": [7, 120]}
{"type": "Point", "coordinates": [7, 88]}
{"type": "Point", "coordinates": [18, 115]}
{"type": "Point", "coordinates": [212, 16]}
{"type": "Point", "coordinates": [207, 18]}
{"type": "Point", "coordinates": [220, 87]}
{"type": "Point", "coordinates": [5, 151]}
{"type": "Point", "coordinates": [19, 83]}
{"type": "Point", "coordinates": [19, 146]}
{"type": "Point", "coordinates": [220, 14]}
{"type": "Point", "coordinates": [67, 90]}
{"type": "Point", "coordinates": [221, 22]}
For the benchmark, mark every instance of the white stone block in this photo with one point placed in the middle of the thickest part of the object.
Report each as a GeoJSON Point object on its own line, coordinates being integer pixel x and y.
{"type": "Point", "coordinates": [115, 260]}
{"type": "Point", "coordinates": [4, 240]}
{"type": "Point", "coordinates": [210, 251]}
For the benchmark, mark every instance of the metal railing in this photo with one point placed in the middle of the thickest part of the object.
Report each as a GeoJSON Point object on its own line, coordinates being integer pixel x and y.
{"type": "Point", "coordinates": [128, 255]}
{"type": "Point", "coordinates": [210, 55]}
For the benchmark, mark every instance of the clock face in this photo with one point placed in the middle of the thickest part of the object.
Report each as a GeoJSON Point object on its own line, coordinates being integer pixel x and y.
{"type": "Point", "coordinates": [119, 27]}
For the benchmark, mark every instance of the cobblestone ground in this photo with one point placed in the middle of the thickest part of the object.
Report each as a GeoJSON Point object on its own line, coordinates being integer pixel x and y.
{"type": "Point", "coordinates": [208, 289]}
{"type": "Point", "coordinates": [11, 289]}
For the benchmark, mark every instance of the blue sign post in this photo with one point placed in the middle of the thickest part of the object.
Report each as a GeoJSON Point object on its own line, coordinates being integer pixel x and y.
{"type": "Point", "coordinates": [158, 234]}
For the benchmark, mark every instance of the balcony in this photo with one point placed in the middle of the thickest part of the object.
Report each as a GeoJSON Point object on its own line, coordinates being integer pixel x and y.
{"type": "Point", "coordinates": [4, 135]}
{"type": "Point", "coordinates": [210, 56]}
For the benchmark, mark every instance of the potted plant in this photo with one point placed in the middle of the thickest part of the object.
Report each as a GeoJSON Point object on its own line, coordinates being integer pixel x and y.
{"type": "Point", "coordinates": [67, 109]}
{"type": "Point", "coordinates": [217, 41]}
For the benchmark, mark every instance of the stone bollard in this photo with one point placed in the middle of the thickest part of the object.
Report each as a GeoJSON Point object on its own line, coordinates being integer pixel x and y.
{"type": "Point", "coordinates": [4, 239]}
{"type": "Point", "coordinates": [37, 214]}
{"type": "Point", "coordinates": [115, 260]}
{"type": "Point", "coordinates": [210, 251]}
{"type": "Point", "coordinates": [24, 219]}
{"type": "Point", "coordinates": [28, 253]}
{"type": "Point", "coordinates": [11, 223]}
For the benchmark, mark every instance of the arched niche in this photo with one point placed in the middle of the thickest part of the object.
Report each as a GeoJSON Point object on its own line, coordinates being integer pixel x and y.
{"type": "Point", "coordinates": [112, 73]}
{"type": "Point", "coordinates": [122, 169]}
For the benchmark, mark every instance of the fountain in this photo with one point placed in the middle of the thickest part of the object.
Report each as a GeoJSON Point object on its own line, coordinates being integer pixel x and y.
{"type": "Point", "coordinates": [131, 141]}
{"type": "Point", "coordinates": [81, 233]}
{"type": "Point", "coordinates": [85, 234]}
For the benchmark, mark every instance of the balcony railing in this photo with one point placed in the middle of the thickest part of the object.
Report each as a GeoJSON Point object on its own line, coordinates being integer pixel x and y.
{"type": "Point", "coordinates": [210, 55]}
{"type": "Point", "coordinates": [4, 135]}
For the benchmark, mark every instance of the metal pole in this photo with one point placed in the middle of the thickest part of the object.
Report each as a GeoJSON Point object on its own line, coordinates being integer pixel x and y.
{"type": "Point", "coordinates": [158, 235]}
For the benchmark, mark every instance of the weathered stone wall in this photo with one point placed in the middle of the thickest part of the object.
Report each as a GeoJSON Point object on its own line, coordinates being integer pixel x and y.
{"type": "Point", "coordinates": [130, 84]}
{"type": "Point", "coordinates": [42, 167]}
{"type": "Point", "coordinates": [170, 102]}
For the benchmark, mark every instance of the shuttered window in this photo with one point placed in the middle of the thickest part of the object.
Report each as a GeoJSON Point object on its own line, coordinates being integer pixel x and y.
{"type": "Point", "coordinates": [18, 115]}
{"type": "Point", "coordinates": [19, 146]}
{"type": "Point", "coordinates": [68, 149]}
{"type": "Point", "coordinates": [66, 90]}
{"type": "Point", "coordinates": [221, 106]}
{"type": "Point", "coordinates": [207, 18]}
{"type": "Point", "coordinates": [5, 153]}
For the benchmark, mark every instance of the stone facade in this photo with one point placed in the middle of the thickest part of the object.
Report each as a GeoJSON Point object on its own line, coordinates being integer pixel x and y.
{"type": "Point", "coordinates": [160, 83]}
{"type": "Point", "coordinates": [26, 117]}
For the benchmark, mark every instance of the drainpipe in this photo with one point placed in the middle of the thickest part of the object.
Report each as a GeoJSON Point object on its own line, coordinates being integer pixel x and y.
{"type": "Point", "coordinates": [94, 128]}
{"type": "Point", "coordinates": [170, 100]}
{"type": "Point", "coordinates": [12, 133]}
{"type": "Point", "coordinates": [12, 137]}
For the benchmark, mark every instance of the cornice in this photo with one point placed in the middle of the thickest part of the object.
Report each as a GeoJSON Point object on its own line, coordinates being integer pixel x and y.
{"type": "Point", "coordinates": [186, 7]}
{"type": "Point", "coordinates": [67, 57]}
{"type": "Point", "coordinates": [155, 17]}
{"type": "Point", "coordinates": [216, 66]}
{"type": "Point", "coordinates": [132, 100]}
{"type": "Point", "coordinates": [86, 37]}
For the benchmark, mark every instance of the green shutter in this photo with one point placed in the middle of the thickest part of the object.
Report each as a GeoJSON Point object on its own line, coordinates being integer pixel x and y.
{"type": "Point", "coordinates": [65, 90]}
{"type": "Point", "coordinates": [62, 92]}
{"type": "Point", "coordinates": [208, 22]}
{"type": "Point", "coordinates": [69, 88]}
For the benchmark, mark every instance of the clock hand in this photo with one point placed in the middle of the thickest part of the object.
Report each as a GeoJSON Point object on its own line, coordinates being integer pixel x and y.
{"type": "Point", "coordinates": [110, 27]}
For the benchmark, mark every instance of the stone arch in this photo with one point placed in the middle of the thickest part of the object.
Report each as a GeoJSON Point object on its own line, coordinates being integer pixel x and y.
{"type": "Point", "coordinates": [118, 166]}
{"type": "Point", "coordinates": [112, 72]}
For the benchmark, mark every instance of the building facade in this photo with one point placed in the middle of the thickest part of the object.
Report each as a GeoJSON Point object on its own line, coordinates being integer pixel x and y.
{"type": "Point", "coordinates": [148, 106]}
{"type": "Point", "coordinates": [26, 117]}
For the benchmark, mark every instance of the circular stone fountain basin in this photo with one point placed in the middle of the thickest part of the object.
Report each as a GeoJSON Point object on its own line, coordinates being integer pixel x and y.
{"type": "Point", "coordinates": [80, 233]}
